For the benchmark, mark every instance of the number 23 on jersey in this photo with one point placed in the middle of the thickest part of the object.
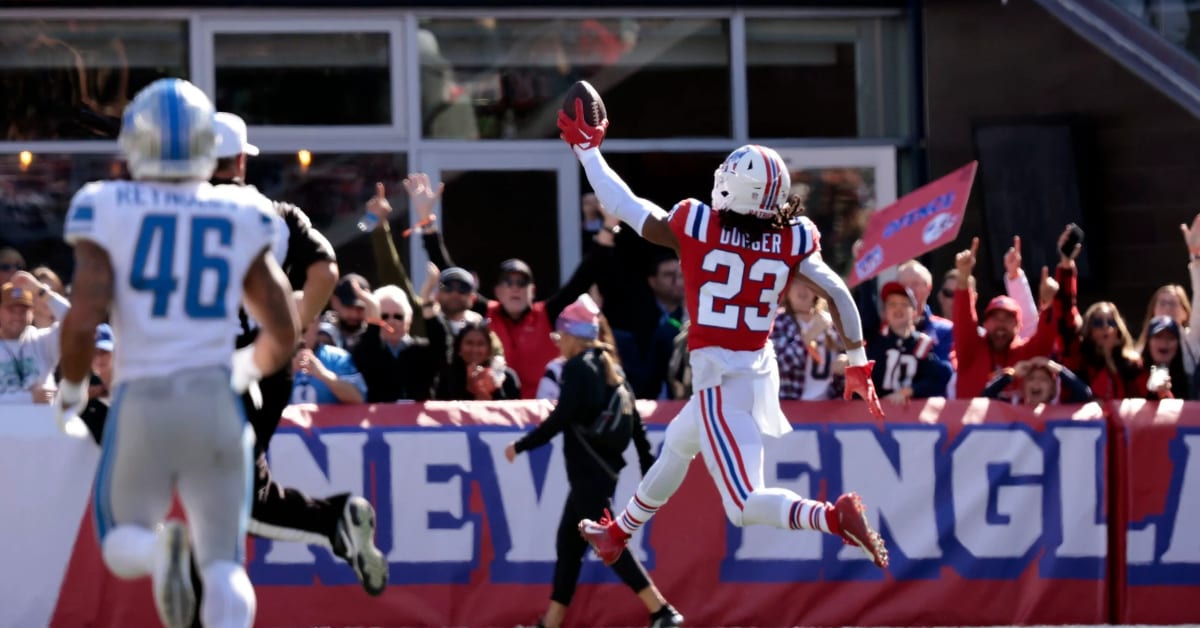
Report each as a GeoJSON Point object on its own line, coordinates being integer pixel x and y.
{"type": "Point", "coordinates": [722, 303]}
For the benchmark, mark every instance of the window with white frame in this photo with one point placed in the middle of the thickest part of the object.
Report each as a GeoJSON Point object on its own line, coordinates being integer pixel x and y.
{"type": "Point", "coordinates": [305, 79]}
{"type": "Point", "coordinates": [71, 79]}
{"type": "Point", "coordinates": [504, 78]}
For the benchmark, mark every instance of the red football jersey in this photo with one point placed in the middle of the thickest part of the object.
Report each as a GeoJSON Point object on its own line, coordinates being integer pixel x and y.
{"type": "Point", "coordinates": [734, 285]}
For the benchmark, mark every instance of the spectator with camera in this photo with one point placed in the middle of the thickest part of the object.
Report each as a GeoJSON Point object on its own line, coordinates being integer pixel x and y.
{"type": "Point", "coordinates": [1172, 302]}
{"type": "Point", "coordinates": [907, 367]}
{"type": "Point", "coordinates": [979, 357]}
{"type": "Point", "coordinates": [598, 418]}
{"type": "Point", "coordinates": [1163, 353]}
{"type": "Point", "coordinates": [1097, 346]}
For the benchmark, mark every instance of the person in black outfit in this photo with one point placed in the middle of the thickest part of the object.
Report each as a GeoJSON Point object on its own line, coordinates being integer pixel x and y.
{"type": "Point", "coordinates": [343, 523]}
{"type": "Point", "coordinates": [597, 415]}
{"type": "Point", "coordinates": [395, 364]}
{"type": "Point", "coordinates": [477, 372]}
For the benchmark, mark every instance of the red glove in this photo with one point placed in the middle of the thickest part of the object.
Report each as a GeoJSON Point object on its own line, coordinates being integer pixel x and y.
{"type": "Point", "coordinates": [578, 132]}
{"type": "Point", "coordinates": [858, 380]}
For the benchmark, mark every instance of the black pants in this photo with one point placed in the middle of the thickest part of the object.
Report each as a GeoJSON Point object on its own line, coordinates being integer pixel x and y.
{"type": "Point", "coordinates": [588, 502]}
{"type": "Point", "coordinates": [288, 513]}
{"type": "Point", "coordinates": [285, 511]}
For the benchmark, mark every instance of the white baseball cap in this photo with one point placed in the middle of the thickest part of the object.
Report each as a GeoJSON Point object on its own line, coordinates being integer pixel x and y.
{"type": "Point", "coordinates": [231, 136]}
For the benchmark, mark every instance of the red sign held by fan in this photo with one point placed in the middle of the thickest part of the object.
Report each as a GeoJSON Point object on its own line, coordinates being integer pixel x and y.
{"type": "Point", "coordinates": [917, 223]}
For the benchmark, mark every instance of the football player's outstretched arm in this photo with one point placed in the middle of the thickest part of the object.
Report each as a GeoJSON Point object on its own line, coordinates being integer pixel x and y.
{"type": "Point", "coordinates": [813, 271]}
{"type": "Point", "coordinates": [269, 300]}
{"type": "Point", "coordinates": [91, 296]}
{"type": "Point", "coordinates": [820, 277]}
{"type": "Point", "coordinates": [648, 219]}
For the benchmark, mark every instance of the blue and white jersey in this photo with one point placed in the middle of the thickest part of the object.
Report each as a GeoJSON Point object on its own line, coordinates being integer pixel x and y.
{"type": "Point", "coordinates": [179, 254]}
{"type": "Point", "coordinates": [308, 389]}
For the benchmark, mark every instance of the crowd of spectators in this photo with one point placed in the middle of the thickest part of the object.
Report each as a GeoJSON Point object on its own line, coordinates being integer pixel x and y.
{"type": "Point", "coordinates": [448, 341]}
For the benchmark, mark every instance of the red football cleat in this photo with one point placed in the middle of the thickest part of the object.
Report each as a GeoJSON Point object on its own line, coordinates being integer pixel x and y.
{"type": "Point", "coordinates": [605, 536]}
{"type": "Point", "coordinates": [847, 519]}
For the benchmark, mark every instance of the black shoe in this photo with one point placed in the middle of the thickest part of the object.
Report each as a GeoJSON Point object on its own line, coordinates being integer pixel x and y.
{"type": "Point", "coordinates": [665, 617]}
{"type": "Point", "coordinates": [355, 542]}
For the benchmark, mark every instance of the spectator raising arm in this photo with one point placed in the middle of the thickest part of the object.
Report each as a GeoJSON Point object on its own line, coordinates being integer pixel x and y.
{"type": "Point", "coordinates": [966, 321]}
{"type": "Point", "coordinates": [422, 198]}
{"type": "Point", "coordinates": [1017, 287]}
{"type": "Point", "coordinates": [388, 267]}
{"type": "Point", "coordinates": [1191, 236]}
{"type": "Point", "coordinates": [1066, 309]}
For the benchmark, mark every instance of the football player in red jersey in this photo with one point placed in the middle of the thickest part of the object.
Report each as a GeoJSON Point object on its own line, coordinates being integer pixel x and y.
{"type": "Point", "coordinates": [737, 257]}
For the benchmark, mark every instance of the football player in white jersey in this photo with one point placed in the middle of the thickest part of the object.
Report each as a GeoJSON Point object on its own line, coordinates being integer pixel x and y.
{"type": "Point", "coordinates": [170, 258]}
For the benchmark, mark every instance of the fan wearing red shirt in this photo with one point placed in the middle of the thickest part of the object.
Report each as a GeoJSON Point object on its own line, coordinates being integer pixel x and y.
{"type": "Point", "coordinates": [982, 357]}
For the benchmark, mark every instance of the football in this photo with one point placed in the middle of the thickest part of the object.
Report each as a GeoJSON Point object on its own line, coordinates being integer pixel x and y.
{"type": "Point", "coordinates": [593, 106]}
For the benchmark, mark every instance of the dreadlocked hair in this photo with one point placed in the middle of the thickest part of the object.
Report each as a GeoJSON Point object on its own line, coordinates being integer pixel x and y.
{"type": "Point", "coordinates": [753, 227]}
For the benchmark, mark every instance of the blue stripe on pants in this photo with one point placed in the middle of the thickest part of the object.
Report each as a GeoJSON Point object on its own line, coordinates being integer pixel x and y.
{"type": "Point", "coordinates": [248, 455]}
{"type": "Point", "coordinates": [716, 423]}
{"type": "Point", "coordinates": [102, 489]}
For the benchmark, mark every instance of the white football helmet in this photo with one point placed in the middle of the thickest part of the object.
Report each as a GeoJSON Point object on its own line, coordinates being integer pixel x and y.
{"type": "Point", "coordinates": [753, 180]}
{"type": "Point", "coordinates": [167, 132]}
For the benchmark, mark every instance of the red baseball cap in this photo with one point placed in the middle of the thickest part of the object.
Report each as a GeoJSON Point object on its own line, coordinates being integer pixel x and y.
{"type": "Point", "coordinates": [895, 287]}
{"type": "Point", "coordinates": [1003, 303]}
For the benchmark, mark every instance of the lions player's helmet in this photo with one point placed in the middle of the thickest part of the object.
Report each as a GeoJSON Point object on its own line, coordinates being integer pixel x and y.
{"type": "Point", "coordinates": [753, 180]}
{"type": "Point", "coordinates": [167, 132]}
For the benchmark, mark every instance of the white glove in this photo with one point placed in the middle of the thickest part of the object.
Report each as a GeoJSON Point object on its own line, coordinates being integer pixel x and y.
{"type": "Point", "coordinates": [245, 371]}
{"type": "Point", "coordinates": [69, 402]}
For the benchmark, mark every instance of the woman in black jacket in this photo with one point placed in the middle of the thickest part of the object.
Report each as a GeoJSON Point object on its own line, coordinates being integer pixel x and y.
{"type": "Point", "coordinates": [597, 416]}
{"type": "Point", "coordinates": [477, 371]}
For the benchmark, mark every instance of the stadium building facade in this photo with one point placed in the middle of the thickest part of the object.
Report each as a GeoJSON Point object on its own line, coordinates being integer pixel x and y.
{"type": "Point", "coordinates": [867, 100]}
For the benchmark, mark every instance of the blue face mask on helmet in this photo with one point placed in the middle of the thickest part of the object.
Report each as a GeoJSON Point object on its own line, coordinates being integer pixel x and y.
{"type": "Point", "coordinates": [167, 132]}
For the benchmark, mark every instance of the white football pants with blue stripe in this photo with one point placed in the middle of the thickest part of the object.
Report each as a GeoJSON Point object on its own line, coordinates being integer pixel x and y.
{"type": "Point", "coordinates": [719, 422]}
{"type": "Point", "coordinates": [186, 432]}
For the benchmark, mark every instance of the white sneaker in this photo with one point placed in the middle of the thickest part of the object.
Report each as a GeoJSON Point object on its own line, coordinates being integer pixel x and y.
{"type": "Point", "coordinates": [356, 531]}
{"type": "Point", "coordinates": [173, 593]}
